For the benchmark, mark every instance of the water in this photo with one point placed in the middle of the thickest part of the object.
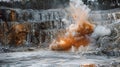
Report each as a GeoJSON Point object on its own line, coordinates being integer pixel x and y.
{"type": "Point", "coordinates": [48, 58]}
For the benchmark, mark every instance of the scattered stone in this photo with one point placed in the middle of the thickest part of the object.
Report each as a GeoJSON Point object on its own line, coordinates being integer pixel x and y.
{"type": "Point", "coordinates": [31, 49]}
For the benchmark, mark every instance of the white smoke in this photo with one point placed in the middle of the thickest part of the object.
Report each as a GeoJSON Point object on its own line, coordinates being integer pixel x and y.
{"type": "Point", "coordinates": [101, 31]}
{"type": "Point", "coordinates": [81, 5]}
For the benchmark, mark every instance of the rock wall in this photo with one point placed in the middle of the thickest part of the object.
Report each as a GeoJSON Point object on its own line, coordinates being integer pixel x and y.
{"type": "Point", "coordinates": [102, 4]}
{"type": "Point", "coordinates": [108, 45]}
{"type": "Point", "coordinates": [35, 4]}
{"type": "Point", "coordinates": [45, 24]}
{"type": "Point", "coordinates": [105, 16]}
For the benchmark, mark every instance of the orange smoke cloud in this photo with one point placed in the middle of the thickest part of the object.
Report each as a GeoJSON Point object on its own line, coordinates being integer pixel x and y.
{"type": "Point", "coordinates": [77, 34]}
{"type": "Point", "coordinates": [80, 38]}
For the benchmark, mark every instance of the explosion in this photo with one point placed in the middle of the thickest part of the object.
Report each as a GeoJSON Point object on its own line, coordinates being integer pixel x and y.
{"type": "Point", "coordinates": [77, 34]}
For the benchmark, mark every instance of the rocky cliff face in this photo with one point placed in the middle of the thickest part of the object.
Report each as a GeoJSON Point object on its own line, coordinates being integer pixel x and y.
{"type": "Point", "coordinates": [108, 44]}
{"type": "Point", "coordinates": [45, 24]}
{"type": "Point", "coordinates": [102, 4]}
{"type": "Point", "coordinates": [35, 4]}
{"type": "Point", "coordinates": [48, 24]}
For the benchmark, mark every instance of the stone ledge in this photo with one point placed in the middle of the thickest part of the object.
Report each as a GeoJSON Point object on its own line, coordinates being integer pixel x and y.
{"type": "Point", "coordinates": [112, 15]}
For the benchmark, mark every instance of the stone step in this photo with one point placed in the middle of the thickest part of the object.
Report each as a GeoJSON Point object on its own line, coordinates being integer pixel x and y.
{"type": "Point", "coordinates": [105, 16]}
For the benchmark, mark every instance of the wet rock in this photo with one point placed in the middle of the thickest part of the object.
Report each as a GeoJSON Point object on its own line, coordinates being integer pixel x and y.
{"type": "Point", "coordinates": [6, 50]}
{"type": "Point", "coordinates": [31, 49]}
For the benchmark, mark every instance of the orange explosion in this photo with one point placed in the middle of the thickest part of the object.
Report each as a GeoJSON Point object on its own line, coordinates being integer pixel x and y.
{"type": "Point", "coordinates": [77, 40]}
{"type": "Point", "coordinates": [77, 34]}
